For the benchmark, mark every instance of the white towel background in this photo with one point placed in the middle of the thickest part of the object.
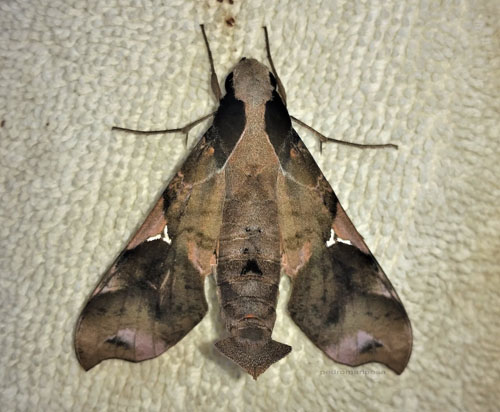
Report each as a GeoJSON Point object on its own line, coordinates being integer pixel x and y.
{"type": "Point", "coordinates": [421, 74]}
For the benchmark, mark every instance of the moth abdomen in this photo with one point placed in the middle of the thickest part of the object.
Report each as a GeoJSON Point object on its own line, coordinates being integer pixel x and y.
{"type": "Point", "coordinates": [250, 295]}
{"type": "Point", "coordinates": [253, 287]}
{"type": "Point", "coordinates": [248, 306]}
{"type": "Point", "coordinates": [248, 271]}
{"type": "Point", "coordinates": [259, 314]}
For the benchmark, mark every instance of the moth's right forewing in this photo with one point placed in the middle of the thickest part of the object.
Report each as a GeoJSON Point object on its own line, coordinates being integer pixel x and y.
{"type": "Point", "coordinates": [341, 298]}
{"type": "Point", "coordinates": [153, 294]}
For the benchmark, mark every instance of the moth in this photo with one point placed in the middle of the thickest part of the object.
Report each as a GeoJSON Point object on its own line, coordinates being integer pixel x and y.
{"type": "Point", "coordinates": [248, 204]}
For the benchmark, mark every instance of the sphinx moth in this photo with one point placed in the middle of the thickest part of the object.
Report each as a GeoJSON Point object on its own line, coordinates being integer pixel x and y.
{"type": "Point", "coordinates": [248, 204]}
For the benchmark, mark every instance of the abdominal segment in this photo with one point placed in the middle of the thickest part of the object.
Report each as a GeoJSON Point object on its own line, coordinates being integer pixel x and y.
{"type": "Point", "coordinates": [248, 268]}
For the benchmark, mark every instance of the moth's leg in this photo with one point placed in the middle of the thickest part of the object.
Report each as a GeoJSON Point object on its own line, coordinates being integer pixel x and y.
{"type": "Point", "coordinates": [281, 89]}
{"type": "Point", "coordinates": [324, 139]}
{"type": "Point", "coordinates": [214, 81]}
{"type": "Point", "coordinates": [184, 129]}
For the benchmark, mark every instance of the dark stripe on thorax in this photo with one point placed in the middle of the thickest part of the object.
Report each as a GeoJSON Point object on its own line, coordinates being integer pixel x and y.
{"type": "Point", "coordinates": [278, 126]}
{"type": "Point", "coordinates": [228, 125]}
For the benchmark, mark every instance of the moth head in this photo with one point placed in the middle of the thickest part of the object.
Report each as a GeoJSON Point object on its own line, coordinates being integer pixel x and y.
{"type": "Point", "coordinates": [251, 82]}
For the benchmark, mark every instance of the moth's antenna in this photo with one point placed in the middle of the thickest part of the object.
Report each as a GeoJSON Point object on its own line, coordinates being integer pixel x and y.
{"type": "Point", "coordinates": [281, 89]}
{"type": "Point", "coordinates": [214, 81]}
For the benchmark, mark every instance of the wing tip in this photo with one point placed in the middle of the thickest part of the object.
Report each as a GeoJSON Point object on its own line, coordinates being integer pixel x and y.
{"type": "Point", "coordinates": [85, 362]}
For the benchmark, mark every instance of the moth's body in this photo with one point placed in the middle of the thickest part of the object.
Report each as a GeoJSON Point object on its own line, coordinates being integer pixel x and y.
{"type": "Point", "coordinates": [248, 254]}
{"type": "Point", "coordinates": [248, 204]}
{"type": "Point", "coordinates": [248, 258]}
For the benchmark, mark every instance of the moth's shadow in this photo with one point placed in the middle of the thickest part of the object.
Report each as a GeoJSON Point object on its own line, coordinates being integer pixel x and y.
{"type": "Point", "coordinates": [208, 348]}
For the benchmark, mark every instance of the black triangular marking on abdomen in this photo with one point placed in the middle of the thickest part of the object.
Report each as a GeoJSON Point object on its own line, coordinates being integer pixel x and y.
{"type": "Point", "coordinates": [251, 266]}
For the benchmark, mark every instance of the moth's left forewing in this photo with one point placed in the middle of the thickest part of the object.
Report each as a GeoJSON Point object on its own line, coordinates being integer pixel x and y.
{"type": "Point", "coordinates": [152, 296]}
{"type": "Point", "coordinates": [341, 298]}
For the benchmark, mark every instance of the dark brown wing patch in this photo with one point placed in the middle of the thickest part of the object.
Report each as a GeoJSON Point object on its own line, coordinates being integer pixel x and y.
{"type": "Point", "coordinates": [152, 310]}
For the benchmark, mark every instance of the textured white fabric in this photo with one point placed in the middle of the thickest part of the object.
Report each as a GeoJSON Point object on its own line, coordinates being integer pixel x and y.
{"type": "Point", "coordinates": [422, 74]}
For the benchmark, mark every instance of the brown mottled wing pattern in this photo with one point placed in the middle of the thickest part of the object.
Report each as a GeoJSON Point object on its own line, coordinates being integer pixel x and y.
{"type": "Point", "coordinates": [341, 298]}
{"type": "Point", "coordinates": [153, 294]}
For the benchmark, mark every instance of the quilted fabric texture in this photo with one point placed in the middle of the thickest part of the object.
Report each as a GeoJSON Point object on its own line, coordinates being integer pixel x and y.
{"type": "Point", "coordinates": [421, 74]}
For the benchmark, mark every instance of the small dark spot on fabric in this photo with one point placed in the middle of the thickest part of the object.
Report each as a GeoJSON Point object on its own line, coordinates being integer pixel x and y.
{"type": "Point", "coordinates": [117, 341]}
{"type": "Point", "coordinates": [47, 124]}
{"type": "Point", "coordinates": [251, 267]}
{"type": "Point", "coordinates": [2, 124]}
{"type": "Point", "coordinates": [245, 251]}
{"type": "Point", "coordinates": [230, 21]}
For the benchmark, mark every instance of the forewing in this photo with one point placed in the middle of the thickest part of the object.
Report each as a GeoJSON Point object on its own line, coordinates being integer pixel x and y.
{"type": "Point", "coordinates": [341, 298]}
{"type": "Point", "coordinates": [153, 294]}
